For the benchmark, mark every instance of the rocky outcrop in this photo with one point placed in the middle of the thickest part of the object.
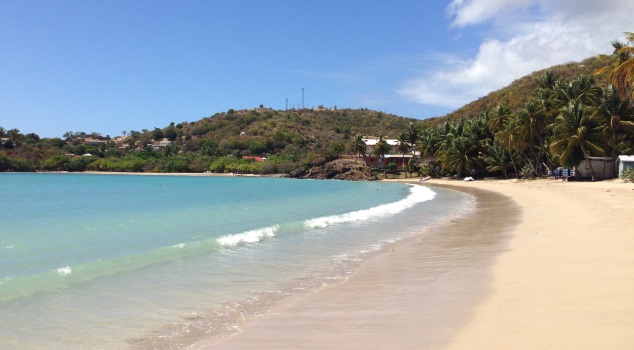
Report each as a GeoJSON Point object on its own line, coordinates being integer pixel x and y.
{"type": "Point", "coordinates": [340, 169]}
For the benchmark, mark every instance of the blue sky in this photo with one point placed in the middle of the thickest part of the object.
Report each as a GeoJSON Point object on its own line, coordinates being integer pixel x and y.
{"type": "Point", "coordinates": [108, 66]}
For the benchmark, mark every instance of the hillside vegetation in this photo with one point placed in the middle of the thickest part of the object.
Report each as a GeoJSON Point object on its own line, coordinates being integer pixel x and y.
{"type": "Point", "coordinates": [521, 90]}
{"type": "Point", "coordinates": [550, 118]}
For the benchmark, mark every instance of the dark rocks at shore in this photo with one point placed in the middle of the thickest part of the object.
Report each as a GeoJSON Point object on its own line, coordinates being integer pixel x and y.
{"type": "Point", "coordinates": [340, 169]}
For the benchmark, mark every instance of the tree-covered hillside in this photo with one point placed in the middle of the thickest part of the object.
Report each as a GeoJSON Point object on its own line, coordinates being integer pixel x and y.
{"type": "Point", "coordinates": [288, 139]}
{"type": "Point", "coordinates": [551, 118]}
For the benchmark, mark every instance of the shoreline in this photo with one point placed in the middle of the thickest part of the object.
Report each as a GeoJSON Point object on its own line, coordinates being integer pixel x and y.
{"type": "Point", "coordinates": [415, 282]}
{"type": "Point", "coordinates": [560, 277]}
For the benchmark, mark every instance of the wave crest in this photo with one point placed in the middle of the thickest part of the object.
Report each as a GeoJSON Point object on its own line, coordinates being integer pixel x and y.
{"type": "Point", "coordinates": [64, 271]}
{"type": "Point", "coordinates": [418, 194]}
{"type": "Point", "coordinates": [252, 236]}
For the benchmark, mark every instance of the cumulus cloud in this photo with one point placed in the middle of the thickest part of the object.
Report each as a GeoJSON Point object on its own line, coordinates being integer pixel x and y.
{"type": "Point", "coordinates": [522, 36]}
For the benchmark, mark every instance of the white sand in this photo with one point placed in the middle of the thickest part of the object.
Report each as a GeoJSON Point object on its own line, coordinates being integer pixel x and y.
{"type": "Point", "coordinates": [568, 280]}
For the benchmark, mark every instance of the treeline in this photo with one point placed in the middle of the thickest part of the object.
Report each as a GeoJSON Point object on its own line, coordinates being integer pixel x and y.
{"type": "Point", "coordinates": [564, 123]}
{"type": "Point", "coordinates": [287, 139]}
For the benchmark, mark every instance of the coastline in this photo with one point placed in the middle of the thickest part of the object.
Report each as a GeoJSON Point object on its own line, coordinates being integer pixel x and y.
{"type": "Point", "coordinates": [560, 275]}
{"type": "Point", "coordinates": [410, 296]}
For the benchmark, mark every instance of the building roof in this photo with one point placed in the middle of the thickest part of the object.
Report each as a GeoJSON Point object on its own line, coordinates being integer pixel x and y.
{"type": "Point", "coordinates": [373, 142]}
{"type": "Point", "coordinates": [625, 158]}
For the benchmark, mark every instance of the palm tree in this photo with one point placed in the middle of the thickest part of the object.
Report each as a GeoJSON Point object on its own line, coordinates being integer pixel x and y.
{"type": "Point", "coordinates": [575, 131]}
{"type": "Point", "coordinates": [496, 158]}
{"type": "Point", "coordinates": [533, 117]}
{"type": "Point", "coordinates": [622, 69]}
{"type": "Point", "coordinates": [358, 146]}
{"type": "Point", "coordinates": [403, 146]}
{"type": "Point", "coordinates": [14, 134]}
{"type": "Point", "coordinates": [458, 156]}
{"type": "Point", "coordinates": [413, 133]}
{"type": "Point", "coordinates": [381, 149]}
{"type": "Point", "coordinates": [513, 137]}
{"type": "Point", "coordinates": [618, 119]}
{"type": "Point", "coordinates": [498, 117]}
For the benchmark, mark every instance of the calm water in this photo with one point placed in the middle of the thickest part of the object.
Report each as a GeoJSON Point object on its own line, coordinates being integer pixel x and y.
{"type": "Point", "coordinates": [119, 261]}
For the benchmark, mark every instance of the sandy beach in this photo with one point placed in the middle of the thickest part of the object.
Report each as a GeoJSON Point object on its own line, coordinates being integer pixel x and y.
{"type": "Point", "coordinates": [541, 264]}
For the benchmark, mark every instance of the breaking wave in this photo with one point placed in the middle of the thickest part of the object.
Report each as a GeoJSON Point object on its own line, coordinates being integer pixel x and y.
{"type": "Point", "coordinates": [252, 236]}
{"type": "Point", "coordinates": [418, 194]}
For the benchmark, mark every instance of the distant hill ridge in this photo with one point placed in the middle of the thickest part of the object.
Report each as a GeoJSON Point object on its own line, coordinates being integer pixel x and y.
{"type": "Point", "coordinates": [516, 94]}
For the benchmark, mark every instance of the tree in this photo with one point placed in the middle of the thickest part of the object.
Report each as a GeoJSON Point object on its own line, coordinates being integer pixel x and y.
{"type": "Point", "coordinates": [496, 158]}
{"type": "Point", "coordinates": [403, 146]}
{"type": "Point", "coordinates": [617, 119]}
{"type": "Point", "coordinates": [14, 135]}
{"type": "Point", "coordinates": [358, 146]}
{"type": "Point", "coordinates": [574, 131]}
{"type": "Point", "coordinates": [622, 69]}
{"type": "Point", "coordinates": [513, 137]}
{"type": "Point", "coordinates": [381, 149]}
{"type": "Point", "coordinates": [336, 148]}
{"type": "Point", "coordinates": [157, 134]}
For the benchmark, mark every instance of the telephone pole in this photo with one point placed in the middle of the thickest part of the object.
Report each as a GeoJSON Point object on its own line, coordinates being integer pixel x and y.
{"type": "Point", "coordinates": [302, 98]}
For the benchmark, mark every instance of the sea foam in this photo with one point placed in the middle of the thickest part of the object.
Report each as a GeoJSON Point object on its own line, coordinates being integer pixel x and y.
{"type": "Point", "coordinates": [64, 271]}
{"type": "Point", "coordinates": [418, 194]}
{"type": "Point", "coordinates": [252, 236]}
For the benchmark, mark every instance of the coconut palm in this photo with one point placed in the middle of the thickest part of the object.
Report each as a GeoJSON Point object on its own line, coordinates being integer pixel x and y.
{"type": "Point", "coordinates": [498, 116]}
{"type": "Point", "coordinates": [513, 137]}
{"type": "Point", "coordinates": [617, 119]}
{"type": "Point", "coordinates": [574, 131]}
{"type": "Point", "coordinates": [533, 116]}
{"type": "Point", "coordinates": [381, 149]}
{"type": "Point", "coordinates": [458, 156]}
{"type": "Point", "coordinates": [358, 146]}
{"type": "Point", "coordinates": [496, 158]}
{"type": "Point", "coordinates": [583, 89]}
{"type": "Point", "coordinates": [622, 69]}
{"type": "Point", "coordinates": [403, 146]}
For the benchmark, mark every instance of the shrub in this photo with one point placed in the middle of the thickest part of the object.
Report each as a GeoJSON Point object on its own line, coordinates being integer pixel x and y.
{"type": "Point", "coordinates": [628, 174]}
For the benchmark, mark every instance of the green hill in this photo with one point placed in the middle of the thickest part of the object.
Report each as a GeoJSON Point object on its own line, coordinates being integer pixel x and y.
{"type": "Point", "coordinates": [521, 90]}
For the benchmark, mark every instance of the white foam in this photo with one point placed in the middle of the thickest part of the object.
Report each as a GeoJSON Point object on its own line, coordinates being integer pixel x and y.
{"type": "Point", "coordinates": [181, 245]}
{"type": "Point", "coordinates": [64, 271]}
{"type": "Point", "coordinates": [10, 246]}
{"type": "Point", "coordinates": [418, 194]}
{"type": "Point", "coordinates": [253, 236]}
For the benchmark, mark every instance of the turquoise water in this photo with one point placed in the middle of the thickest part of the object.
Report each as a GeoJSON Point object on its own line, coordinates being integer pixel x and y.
{"type": "Point", "coordinates": [116, 261]}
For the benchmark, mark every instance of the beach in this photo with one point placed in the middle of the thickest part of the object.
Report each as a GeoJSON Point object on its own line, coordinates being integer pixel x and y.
{"type": "Point", "coordinates": [540, 264]}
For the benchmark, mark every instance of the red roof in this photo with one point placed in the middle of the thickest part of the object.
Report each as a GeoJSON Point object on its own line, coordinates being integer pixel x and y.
{"type": "Point", "coordinates": [257, 159]}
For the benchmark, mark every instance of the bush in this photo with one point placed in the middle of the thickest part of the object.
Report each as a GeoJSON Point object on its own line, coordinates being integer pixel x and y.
{"type": "Point", "coordinates": [628, 174]}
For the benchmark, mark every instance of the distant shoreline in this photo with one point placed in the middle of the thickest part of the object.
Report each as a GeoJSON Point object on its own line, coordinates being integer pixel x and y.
{"type": "Point", "coordinates": [153, 174]}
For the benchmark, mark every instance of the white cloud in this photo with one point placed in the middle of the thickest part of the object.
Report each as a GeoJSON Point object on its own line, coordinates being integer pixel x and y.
{"type": "Point", "coordinates": [525, 35]}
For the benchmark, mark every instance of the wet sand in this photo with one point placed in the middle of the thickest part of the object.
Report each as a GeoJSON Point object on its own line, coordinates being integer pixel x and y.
{"type": "Point", "coordinates": [540, 265]}
{"type": "Point", "coordinates": [415, 295]}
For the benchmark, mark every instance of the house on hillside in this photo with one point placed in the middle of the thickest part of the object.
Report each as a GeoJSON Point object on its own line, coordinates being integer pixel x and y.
{"type": "Point", "coordinates": [624, 162]}
{"type": "Point", "coordinates": [603, 168]}
{"type": "Point", "coordinates": [370, 143]}
{"type": "Point", "coordinates": [257, 159]}
{"type": "Point", "coordinates": [161, 144]}
{"type": "Point", "coordinates": [394, 155]}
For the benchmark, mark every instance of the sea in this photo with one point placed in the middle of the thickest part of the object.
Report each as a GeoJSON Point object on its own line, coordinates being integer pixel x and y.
{"type": "Point", "coordinates": [109, 261]}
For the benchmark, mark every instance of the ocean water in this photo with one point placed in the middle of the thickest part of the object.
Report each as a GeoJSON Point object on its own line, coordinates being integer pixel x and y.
{"type": "Point", "coordinates": [122, 261]}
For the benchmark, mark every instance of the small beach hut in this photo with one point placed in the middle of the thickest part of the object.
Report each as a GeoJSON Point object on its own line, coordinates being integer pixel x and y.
{"type": "Point", "coordinates": [625, 162]}
{"type": "Point", "coordinates": [602, 166]}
